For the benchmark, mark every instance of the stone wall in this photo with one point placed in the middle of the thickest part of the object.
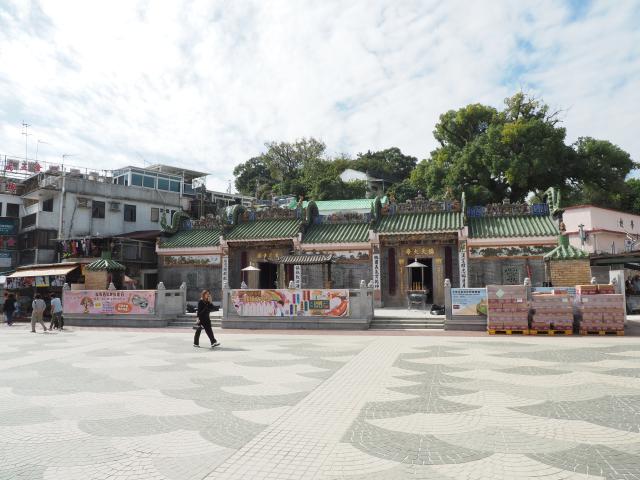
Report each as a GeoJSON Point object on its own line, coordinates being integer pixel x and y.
{"type": "Point", "coordinates": [567, 273]}
{"type": "Point", "coordinates": [503, 271]}
{"type": "Point", "coordinates": [197, 278]}
{"type": "Point", "coordinates": [344, 275]}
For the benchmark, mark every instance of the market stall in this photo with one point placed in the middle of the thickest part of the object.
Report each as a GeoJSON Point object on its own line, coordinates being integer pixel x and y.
{"type": "Point", "coordinates": [45, 279]}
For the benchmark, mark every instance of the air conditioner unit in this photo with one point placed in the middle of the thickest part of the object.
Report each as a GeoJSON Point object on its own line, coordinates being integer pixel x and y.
{"type": "Point", "coordinates": [83, 202]}
{"type": "Point", "coordinates": [114, 206]}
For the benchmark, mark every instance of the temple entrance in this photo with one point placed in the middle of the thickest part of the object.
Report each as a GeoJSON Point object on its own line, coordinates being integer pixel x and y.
{"type": "Point", "coordinates": [268, 275]}
{"type": "Point", "coordinates": [421, 278]}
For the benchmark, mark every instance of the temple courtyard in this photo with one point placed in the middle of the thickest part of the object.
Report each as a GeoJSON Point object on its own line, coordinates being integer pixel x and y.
{"type": "Point", "coordinates": [144, 404]}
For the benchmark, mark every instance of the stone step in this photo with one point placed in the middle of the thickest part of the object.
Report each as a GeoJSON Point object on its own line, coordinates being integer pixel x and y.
{"type": "Point", "coordinates": [399, 326]}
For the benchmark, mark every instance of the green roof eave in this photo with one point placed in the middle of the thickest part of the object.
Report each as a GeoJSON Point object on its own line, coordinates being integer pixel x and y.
{"type": "Point", "coordinates": [512, 226]}
{"type": "Point", "coordinates": [566, 252]}
{"type": "Point", "coordinates": [437, 222]}
{"type": "Point", "coordinates": [264, 230]}
{"type": "Point", "coordinates": [337, 233]}
{"type": "Point", "coordinates": [105, 264]}
{"type": "Point", "coordinates": [192, 239]}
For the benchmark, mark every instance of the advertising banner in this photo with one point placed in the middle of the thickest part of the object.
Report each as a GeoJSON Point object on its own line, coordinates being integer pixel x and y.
{"type": "Point", "coordinates": [6, 259]}
{"type": "Point", "coordinates": [8, 226]}
{"type": "Point", "coordinates": [291, 303]}
{"type": "Point", "coordinates": [469, 301]}
{"type": "Point", "coordinates": [109, 302]}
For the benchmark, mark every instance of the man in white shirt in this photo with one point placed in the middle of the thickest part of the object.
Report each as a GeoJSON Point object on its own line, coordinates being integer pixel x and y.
{"type": "Point", "coordinates": [56, 313]}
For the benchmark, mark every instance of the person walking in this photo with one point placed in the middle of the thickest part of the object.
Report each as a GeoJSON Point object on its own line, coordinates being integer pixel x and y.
{"type": "Point", "coordinates": [205, 307]}
{"type": "Point", "coordinates": [10, 308]}
{"type": "Point", "coordinates": [56, 313]}
{"type": "Point", "coordinates": [38, 307]}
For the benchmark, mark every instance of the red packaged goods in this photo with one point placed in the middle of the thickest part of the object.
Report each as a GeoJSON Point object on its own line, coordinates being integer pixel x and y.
{"type": "Point", "coordinates": [604, 289]}
{"type": "Point", "coordinates": [586, 289]}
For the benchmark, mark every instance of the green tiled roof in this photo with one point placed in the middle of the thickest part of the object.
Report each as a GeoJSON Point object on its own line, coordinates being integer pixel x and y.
{"type": "Point", "coordinates": [420, 222]}
{"type": "Point", "coordinates": [105, 264]}
{"type": "Point", "coordinates": [192, 238]}
{"type": "Point", "coordinates": [264, 230]}
{"type": "Point", "coordinates": [330, 205]}
{"type": "Point", "coordinates": [566, 253]}
{"type": "Point", "coordinates": [338, 233]}
{"type": "Point", "coordinates": [516, 226]}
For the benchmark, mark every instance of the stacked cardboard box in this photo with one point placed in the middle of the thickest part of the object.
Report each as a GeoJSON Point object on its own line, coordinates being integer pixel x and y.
{"type": "Point", "coordinates": [602, 311]}
{"type": "Point", "coordinates": [552, 311]}
{"type": "Point", "coordinates": [508, 307]}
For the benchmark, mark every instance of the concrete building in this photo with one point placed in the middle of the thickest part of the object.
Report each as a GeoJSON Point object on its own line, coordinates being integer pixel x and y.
{"type": "Point", "coordinates": [602, 230]}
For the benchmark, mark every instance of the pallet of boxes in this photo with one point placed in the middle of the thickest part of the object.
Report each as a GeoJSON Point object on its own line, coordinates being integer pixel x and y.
{"type": "Point", "coordinates": [552, 313]}
{"type": "Point", "coordinates": [602, 311]}
{"type": "Point", "coordinates": [508, 309]}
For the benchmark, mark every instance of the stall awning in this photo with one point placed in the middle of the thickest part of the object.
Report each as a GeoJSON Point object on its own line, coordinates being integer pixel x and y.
{"type": "Point", "coordinates": [43, 272]}
{"type": "Point", "coordinates": [304, 259]}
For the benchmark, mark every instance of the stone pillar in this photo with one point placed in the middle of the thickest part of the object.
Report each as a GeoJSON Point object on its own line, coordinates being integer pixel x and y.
{"type": "Point", "coordinates": [160, 299]}
{"type": "Point", "coordinates": [183, 294]}
{"type": "Point", "coordinates": [447, 299]}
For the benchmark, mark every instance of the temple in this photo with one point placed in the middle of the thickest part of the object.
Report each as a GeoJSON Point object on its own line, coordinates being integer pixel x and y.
{"type": "Point", "coordinates": [397, 248]}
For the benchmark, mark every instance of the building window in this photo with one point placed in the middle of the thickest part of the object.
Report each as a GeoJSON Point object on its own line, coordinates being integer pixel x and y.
{"type": "Point", "coordinates": [163, 184]}
{"type": "Point", "coordinates": [136, 179]}
{"type": "Point", "coordinates": [129, 213]}
{"type": "Point", "coordinates": [13, 210]}
{"type": "Point", "coordinates": [47, 205]}
{"type": "Point", "coordinates": [97, 209]}
{"type": "Point", "coordinates": [149, 182]}
{"type": "Point", "coordinates": [155, 214]}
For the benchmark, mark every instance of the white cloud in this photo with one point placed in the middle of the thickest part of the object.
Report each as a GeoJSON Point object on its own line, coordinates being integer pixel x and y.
{"type": "Point", "coordinates": [204, 84]}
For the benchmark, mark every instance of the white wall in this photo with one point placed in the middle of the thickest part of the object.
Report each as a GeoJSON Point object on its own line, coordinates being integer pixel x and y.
{"type": "Point", "coordinates": [5, 199]}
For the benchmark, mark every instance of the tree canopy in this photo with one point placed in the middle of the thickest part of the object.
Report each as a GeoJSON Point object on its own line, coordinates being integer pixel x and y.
{"type": "Point", "coordinates": [490, 154]}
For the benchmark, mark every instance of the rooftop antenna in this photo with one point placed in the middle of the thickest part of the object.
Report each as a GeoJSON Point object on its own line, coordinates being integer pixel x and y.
{"type": "Point", "coordinates": [26, 134]}
{"type": "Point", "coordinates": [38, 147]}
{"type": "Point", "coordinates": [144, 160]}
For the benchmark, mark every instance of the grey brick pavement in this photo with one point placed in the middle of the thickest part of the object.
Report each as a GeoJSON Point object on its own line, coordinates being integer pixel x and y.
{"type": "Point", "coordinates": [115, 404]}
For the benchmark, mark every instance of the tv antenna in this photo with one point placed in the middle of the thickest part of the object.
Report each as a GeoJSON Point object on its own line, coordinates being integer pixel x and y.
{"type": "Point", "coordinates": [26, 134]}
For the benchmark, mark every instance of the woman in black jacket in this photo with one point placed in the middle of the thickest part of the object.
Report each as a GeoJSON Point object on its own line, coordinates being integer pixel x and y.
{"type": "Point", "coordinates": [10, 308]}
{"type": "Point", "coordinates": [205, 307]}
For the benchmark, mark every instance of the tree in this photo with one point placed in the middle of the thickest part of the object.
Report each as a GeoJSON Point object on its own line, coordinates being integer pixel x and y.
{"type": "Point", "coordinates": [491, 155]}
{"type": "Point", "coordinates": [253, 175]}
{"type": "Point", "coordinates": [286, 160]}
{"type": "Point", "coordinates": [391, 164]}
{"type": "Point", "coordinates": [403, 191]}
{"type": "Point", "coordinates": [605, 167]}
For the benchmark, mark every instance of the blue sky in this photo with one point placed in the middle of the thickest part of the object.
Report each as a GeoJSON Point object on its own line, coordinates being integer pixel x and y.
{"type": "Point", "coordinates": [203, 84]}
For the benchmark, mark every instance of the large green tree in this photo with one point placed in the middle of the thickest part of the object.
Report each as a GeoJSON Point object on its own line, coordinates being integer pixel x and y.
{"type": "Point", "coordinates": [253, 176]}
{"type": "Point", "coordinates": [492, 155]}
{"type": "Point", "coordinates": [390, 165]}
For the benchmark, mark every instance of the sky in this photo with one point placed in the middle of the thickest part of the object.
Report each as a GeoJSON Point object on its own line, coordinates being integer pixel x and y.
{"type": "Point", "coordinates": [204, 84]}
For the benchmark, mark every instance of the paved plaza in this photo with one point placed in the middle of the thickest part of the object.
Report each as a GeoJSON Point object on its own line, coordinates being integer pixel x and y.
{"type": "Point", "coordinates": [144, 404]}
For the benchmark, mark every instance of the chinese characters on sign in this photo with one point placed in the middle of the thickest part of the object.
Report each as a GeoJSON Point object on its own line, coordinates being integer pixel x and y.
{"type": "Point", "coordinates": [376, 271]}
{"type": "Point", "coordinates": [420, 251]}
{"type": "Point", "coordinates": [110, 302]}
{"type": "Point", "coordinates": [225, 271]}
{"type": "Point", "coordinates": [469, 301]}
{"type": "Point", "coordinates": [192, 260]}
{"type": "Point", "coordinates": [462, 263]}
{"type": "Point", "coordinates": [297, 276]}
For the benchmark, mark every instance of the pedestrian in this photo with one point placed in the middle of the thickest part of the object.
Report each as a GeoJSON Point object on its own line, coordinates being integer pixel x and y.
{"type": "Point", "coordinates": [38, 307]}
{"type": "Point", "coordinates": [56, 313]}
{"type": "Point", "coordinates": [10, 308]}
{"type": "Point", "coordinates": [205, 307]}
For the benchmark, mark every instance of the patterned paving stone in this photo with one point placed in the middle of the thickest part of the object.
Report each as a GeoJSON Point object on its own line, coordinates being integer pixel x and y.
{"type": "Point", "coordinates": [110, 404]}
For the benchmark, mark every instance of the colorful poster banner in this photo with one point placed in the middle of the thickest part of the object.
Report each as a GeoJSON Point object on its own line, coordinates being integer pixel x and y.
{"type": "Point", "coordinates": [109, 302]}
{"type": "Point", "coordinates": [291, 303]}
{"type": "Point", "coordinates": [469, 301]}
